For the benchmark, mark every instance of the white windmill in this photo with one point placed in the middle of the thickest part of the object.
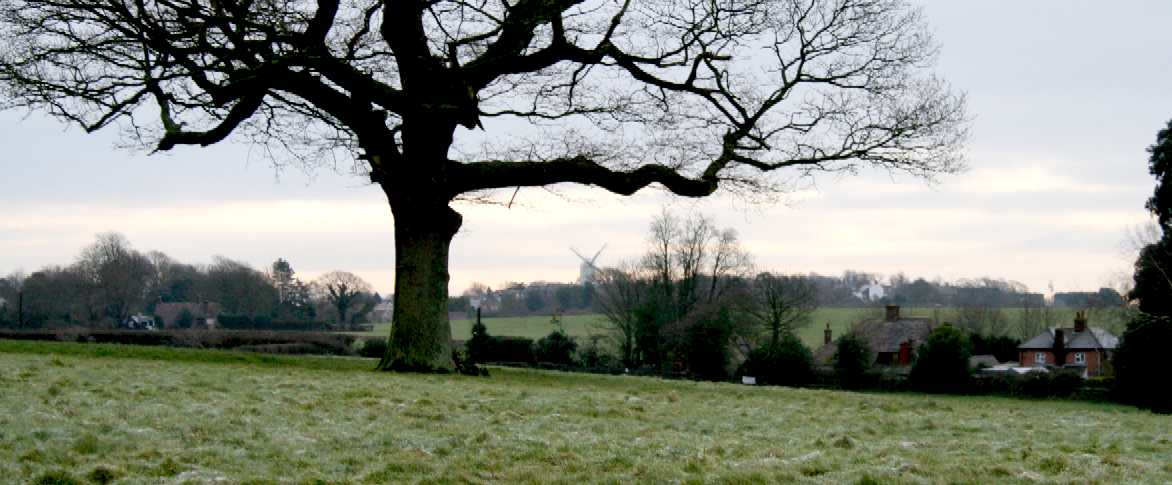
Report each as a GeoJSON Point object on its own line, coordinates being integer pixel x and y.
{"type": "Point", "coordinates": [588, 269]}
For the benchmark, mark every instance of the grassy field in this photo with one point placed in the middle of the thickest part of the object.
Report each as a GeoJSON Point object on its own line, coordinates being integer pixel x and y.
{"type": "Point", "coordinates": [134, 415]}
{"type": "Point", "coordinates": [533, 327]}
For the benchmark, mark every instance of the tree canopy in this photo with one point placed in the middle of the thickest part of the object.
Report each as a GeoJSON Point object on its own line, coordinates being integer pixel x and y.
{"type": "Point", "coordinates": [342, 289]}
{"type": "Point", "coordinates": [427, 97]}
{"type": "Point", "coordinates": [1153, 266]}
{"type": "Point", "coordinates": [1160, 166]}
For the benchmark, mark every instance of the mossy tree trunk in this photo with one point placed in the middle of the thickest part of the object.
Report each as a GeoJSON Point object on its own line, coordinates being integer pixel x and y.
{"type": "Point", "coordinates": [421, 335]}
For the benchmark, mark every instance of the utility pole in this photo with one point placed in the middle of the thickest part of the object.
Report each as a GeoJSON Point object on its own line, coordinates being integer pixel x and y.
{"type": "Point", "coordinates": [20, 308]}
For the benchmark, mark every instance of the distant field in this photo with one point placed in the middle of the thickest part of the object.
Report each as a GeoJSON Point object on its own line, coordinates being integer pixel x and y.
{"type": "Point", "coordinates": [533, 327]}
{"type": "Point", "coordinates": [840, 320]}
{"type": "Point", "coordinates": [93, 413]}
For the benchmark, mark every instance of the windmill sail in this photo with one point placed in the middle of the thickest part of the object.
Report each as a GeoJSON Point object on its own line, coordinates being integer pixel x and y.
{"type": "Point", "coordinates": [588, 269]}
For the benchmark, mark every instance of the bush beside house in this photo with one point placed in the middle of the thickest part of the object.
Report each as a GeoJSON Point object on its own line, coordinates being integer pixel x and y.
{"type": "Point", "coordinates": [852, 360]}
{"type": "Point", "coordinates": [788, 363]}
{"type": "Point", "coordinates": [942, 362]}
{"type": "Point", "coordinates": [1141, 370]}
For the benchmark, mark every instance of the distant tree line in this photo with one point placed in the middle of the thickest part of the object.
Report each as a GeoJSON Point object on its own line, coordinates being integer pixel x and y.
{"type": "Point", "coordinates": [110, 281]}
{"type": "Point", "coordinates": [512, 299]}
{"type": "Point", "coordinates": [852, 289]}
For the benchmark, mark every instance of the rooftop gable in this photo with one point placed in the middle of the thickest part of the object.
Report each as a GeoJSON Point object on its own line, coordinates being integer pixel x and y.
{"type": "Point", "coordinates": [1093, 338]}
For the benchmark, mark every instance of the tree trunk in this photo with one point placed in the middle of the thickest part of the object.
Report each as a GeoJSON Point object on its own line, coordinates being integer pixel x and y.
{"type": "Point", "coordinates": [420, 333]}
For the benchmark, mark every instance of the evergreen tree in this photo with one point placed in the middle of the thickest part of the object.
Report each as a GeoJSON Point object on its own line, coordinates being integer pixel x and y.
{"type": "Point", "coordinates": [852, 359]}
{"type": "Point", "coordinates": [1153, 268]}
{"type": "Point", "coordinates": [478, 345]}
{"type": "Point", "coordinates": [1139, 362]}
{"type": "Point", "coordinates": [942, 363]}
{"type": "Point", "coordinates": [1160, 166]}
{"type": "Point", "coordinates": [786, 363]}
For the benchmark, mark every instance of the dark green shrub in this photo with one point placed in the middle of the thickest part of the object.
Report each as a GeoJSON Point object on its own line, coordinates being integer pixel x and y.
{"type": "Point", "coordinates": [478, 345]}
{"type": "Point", "coordinates": [555, 348]}
{"type": "Point", "coordinates": [1100, 383]}
{"type": "Point", "coordinates": [1035, 384]}
{"type": "Point", "coordinates": [1001, 347]}
{"type": "Point", "coordinates": [1141, 374]}
{"type": "Point", "coordinates": [696, 346]}
{"type": "Point", "coordinates": [1062, 384]}
{"type": "Point", "coordinates": [510, 349]}
{"type": "Point", "coordinates": [1065, 383]}
{"type": "Point", "coordinates": [852, 360]}
{"type": "Point", "coordinates": [375, 347]}
{"type": "Point", "coordinates": [482, 348]}
{"type": "Point", "coordinates": [942, 362]}
{"type": "Point", "coordinates": [595, 358]}
{"type": "Point", "coordinates": [789, 363]}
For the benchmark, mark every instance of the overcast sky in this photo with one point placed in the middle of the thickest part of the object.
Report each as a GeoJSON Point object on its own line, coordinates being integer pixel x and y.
{"type": "Point", "coordinates": [1065, 96]}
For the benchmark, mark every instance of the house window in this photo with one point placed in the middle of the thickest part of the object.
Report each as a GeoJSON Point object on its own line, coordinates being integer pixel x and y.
{"type": "Point", "coordinates": [1080, 358]}
{"type": "Point", "coordinates": [1040, 358]}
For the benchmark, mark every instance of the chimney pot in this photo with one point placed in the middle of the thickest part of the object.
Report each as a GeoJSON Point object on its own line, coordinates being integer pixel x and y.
{"type": "Point", "coordinates": [892, 313]}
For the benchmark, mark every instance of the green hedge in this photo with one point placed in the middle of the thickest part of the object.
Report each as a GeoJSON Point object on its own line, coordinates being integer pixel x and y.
{"type": "Point", "coordinates": [247, 340]}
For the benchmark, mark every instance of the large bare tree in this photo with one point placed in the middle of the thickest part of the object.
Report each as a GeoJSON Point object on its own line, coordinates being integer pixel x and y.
{"type": "Point", "coordinates": [688, 95]}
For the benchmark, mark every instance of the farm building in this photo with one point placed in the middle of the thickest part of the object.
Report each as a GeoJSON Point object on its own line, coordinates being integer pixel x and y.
{"type": "Point", "coordinates": [893, 340]}
{"type": "Point", "coordinates": [1078, 347]}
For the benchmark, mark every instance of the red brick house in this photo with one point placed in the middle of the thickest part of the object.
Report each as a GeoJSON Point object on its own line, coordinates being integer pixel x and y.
{"type": "Point", "coordinates": [1077, 347]}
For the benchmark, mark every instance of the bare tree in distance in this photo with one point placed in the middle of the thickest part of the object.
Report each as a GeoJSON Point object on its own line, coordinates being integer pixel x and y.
{"type": "Point", "coordinates": [620, 293]}
{"type": "Point", "coordinates": [692, 261]}
{"type": "Point", "coordinates": [691, 268]}
{"type": "Point", "coordinates": [689, 96]}
{"type": "Point", "coordinates": [120, 275]}
{"type": "Point", "coordinates": [342, 290]}
{"type": "Point", "coordinates": [782, 304]}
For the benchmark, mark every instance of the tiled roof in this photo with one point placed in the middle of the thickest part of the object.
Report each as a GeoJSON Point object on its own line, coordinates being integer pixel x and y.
{"type": "Point", "coordinates": [1091, 338]}
{"type": "Point", "coordinates": [885, 336]}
